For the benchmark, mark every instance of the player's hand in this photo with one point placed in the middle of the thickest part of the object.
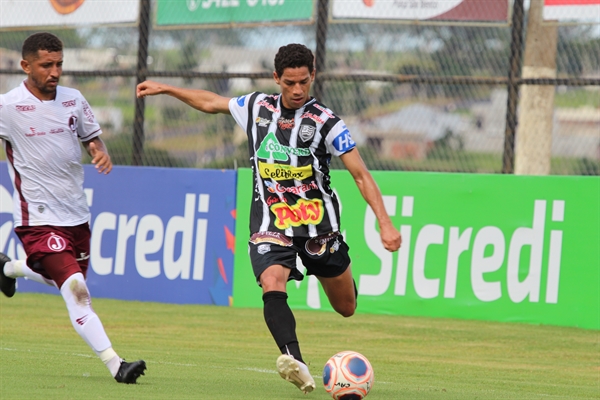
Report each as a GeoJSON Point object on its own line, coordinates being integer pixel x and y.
{"type": "Point", "coordinates": [149, 88]}
{"type": "Point", "coordinates": [390, 237]}
{"type": "Point", "coordinates": [100, 158]}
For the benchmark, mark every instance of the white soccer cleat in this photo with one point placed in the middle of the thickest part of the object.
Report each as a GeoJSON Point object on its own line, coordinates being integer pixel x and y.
{"type": "Point", "coordinates": [295, 372]}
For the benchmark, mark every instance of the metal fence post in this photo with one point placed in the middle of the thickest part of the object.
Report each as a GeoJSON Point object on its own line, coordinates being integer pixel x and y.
{"type": "Point", "coordinates": [516, 51]}
{"type": "Point", "coordinates": [141, 74]}
{"type": "Point", "coordinates": [321, 37]}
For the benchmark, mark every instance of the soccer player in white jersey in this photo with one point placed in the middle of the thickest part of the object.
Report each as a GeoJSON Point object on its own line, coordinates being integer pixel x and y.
{"type": "Point", "coordinates": [294, 212]}
{"type": "Point", "coordinates": [41, 127]}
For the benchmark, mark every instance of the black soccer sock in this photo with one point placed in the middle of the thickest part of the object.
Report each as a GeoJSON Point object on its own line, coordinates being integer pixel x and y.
{"type": "Point", "coordinates": [281, 323]}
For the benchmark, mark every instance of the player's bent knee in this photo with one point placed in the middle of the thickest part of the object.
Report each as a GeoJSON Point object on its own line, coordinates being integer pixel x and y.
{"type": "Point", "coordinates": [346, 310]}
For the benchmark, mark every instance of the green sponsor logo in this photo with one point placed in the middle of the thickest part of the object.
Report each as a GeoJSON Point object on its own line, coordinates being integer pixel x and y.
{"type": "Point", "coordinates": [192, 12]}
{"type": "Point", "coordinates": [270, 148]}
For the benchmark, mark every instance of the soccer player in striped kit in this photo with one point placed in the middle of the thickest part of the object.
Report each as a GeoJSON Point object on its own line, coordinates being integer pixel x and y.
{"type": "Point", "coordinates": [294, 212]}
{"type": "Point", "coordinates": [41, 127]}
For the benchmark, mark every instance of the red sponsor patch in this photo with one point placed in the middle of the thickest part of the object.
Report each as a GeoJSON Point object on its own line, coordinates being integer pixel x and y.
{"type": "Point", "coordinates": [25, 108]}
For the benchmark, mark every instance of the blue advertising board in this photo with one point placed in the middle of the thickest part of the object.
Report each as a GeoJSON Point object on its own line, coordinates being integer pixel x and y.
{"type": "Point", "coordinates": [158, 234]}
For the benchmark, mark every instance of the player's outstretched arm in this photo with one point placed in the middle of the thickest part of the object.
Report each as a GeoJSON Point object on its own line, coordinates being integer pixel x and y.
{"type": "Point", "coordinates": [390, 237]}
{"type": "Point", "coordinates": [100, 157]}
{"type": "Point", "coordinates": [202, 100]}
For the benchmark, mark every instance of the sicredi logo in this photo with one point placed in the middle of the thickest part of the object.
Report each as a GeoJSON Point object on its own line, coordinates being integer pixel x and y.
{"type": "Point", "coordinates": [181, 239]}
{"type": "Point", "coordinates": [488, 249]}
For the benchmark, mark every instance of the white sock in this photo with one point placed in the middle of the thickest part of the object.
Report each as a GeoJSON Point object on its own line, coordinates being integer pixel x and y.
{"type": "Point", "coordinates": [86, 322]}
{"type": "Point", "coordinates": [112, 361]}
{"type": "Point", "coordinates": [19, 269]}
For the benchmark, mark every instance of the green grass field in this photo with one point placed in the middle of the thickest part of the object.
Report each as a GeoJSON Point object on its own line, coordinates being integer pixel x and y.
{"type": "Point", "coordinates": [209, 352]}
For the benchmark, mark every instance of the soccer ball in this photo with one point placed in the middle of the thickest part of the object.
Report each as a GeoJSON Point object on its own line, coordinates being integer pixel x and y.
{"type": "Point", "coordinates": [348, 375]}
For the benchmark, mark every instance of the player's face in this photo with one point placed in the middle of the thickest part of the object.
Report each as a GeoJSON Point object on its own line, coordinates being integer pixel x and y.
{"type": "Point", "coordinates": [43, 73]}
{"type": "Point", "coordinates": [295, 86]}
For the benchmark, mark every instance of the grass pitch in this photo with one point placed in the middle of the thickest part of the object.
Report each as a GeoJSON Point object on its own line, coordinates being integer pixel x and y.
{"type": "Point", "coordinates": [209, 352]}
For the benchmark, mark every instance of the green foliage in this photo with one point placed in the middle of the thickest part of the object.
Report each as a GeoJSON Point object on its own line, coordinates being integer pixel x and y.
{"type": "Point", "coordinates": [13, 40]}
{"type": "Point", "coordinates": [577, 97]}
{"type": "Point", "coordinates": [224, 353]}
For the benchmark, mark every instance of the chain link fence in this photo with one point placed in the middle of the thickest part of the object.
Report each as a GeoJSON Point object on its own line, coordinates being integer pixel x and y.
{"type": "Point", "coordinates": [415, 97]}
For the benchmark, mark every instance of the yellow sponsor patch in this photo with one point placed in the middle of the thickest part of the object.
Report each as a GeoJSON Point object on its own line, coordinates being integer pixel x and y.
{"type": "Point", "coordinates": [305, 212]}
{"type": "Point", "coordinates": [282, 172]}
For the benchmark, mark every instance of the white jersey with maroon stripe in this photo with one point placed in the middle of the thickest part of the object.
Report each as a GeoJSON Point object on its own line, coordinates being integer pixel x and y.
{"type": "Point", "coordinates": [41, 141]}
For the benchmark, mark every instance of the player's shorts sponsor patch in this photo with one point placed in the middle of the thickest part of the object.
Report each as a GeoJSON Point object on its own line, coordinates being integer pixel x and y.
{"type": "Point", "coordinates": [263, 248]}
{"type": "Point", "coordinates": [317, 246]}
{"type": "Point", "coordinates": [270, 237]}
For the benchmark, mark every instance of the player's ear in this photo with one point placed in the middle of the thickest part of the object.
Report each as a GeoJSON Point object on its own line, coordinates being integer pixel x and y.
{"type": "Point", "coordinates": [26, 66]}
{"type": "Point", "coordinates": [276, 77]}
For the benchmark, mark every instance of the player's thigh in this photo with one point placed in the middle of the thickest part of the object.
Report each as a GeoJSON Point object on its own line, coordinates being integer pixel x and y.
{"type": "Point", "coordinates": [340, 292]}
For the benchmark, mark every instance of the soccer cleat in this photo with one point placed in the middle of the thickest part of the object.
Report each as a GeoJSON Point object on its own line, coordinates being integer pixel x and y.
{"type": "Point", "coordinates": [7, 285]}
{"type": "Point", "coordinates": [296, 372]}
{"type": "Point", "coordinates": [129, 372]}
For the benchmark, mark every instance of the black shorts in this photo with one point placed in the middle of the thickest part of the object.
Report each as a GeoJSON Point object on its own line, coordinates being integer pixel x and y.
{"type": "Point", "coordinates": [325, 256]}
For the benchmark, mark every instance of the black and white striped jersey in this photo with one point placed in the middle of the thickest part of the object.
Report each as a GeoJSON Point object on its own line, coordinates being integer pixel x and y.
{"type": "Point", "coordinates": [290, 152]}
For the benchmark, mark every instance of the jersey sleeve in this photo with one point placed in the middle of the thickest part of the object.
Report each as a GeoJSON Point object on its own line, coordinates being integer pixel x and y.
{"type": "Point", "coordinates": [339, 140]}
{"type": "Point", "coordinates": [239, 110]}
{"type": "Point", "coordinates": [4, 119]}
{"type": "Point", "coordinates": [87, 126]}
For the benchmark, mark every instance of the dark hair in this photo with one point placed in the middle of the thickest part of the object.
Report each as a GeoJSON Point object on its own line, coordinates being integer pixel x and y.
{"type": "Point", "coordinates": [294, 56]}
{"type": "Point", "coordinates": [41, 41]}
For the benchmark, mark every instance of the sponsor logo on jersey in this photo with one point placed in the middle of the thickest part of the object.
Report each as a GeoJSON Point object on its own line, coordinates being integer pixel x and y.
{"type": "Point", "coordinates": [314, 117]}
{"type": "Point", "coordinates": [324, 110]}
{"type": "Point", "coordinates": [271, 148]}
{"type": "Point", "coordinates": [273, 200]}
{"type": "Point", "coordinates": [279, 188]}
{"type": "Point", "coordinates": [241, 100]}
{"type": "Point", "coordinates": [69, 103]}
{"type": "Point", "coordinates": [268, 106]}
{"type": "Point", "coordinates": [26, 108]}
{"type": "Point", "coordinates": [35, 132]}
{"type": "Point", "coordinates": [73, 123]}
{"type": "Point", "coordinates": [57, 130]}
{"type": "Point", "coordinates": [56, 243]}
{"type": "Point", "coordinates": [343, 142]}
{"type": "Point", "coordinates": [282, 172]}
{"type": "Point", "coordinates": [87, 111]}
{"type": "Point", "coordinates": [306, 132]}
{"type": "Point", "coordinates": [262, 121]}
{"type": "Point", "coordinates": [285, 124]}
{"type": "Point", "coordinates": [305, 212]}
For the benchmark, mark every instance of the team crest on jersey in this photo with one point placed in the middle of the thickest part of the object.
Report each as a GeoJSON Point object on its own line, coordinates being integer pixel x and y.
{"type": "Point", "coordinates": [56, 243]}
{"type": "Point", "coordinates": [73, 123]}
{"type": "Point", "coordinates": [306, 132]}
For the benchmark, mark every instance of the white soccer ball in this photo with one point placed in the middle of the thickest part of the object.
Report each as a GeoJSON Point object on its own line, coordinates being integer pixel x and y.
{"type": "Point", "coordinates": [348, 375]}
